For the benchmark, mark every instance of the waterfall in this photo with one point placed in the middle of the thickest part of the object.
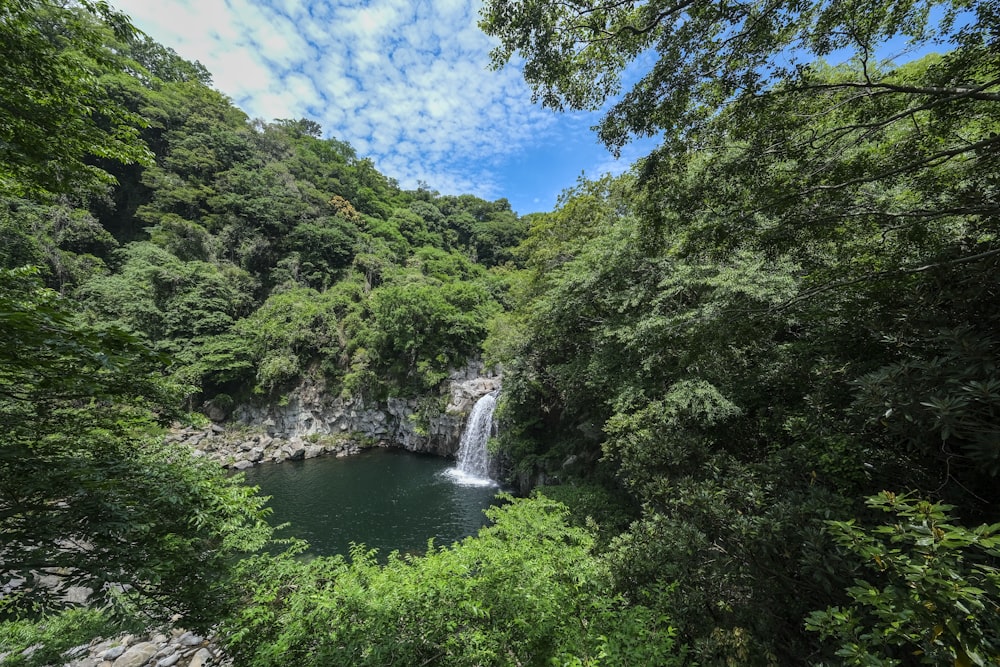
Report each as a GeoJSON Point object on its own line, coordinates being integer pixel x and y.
{"type": "Point", "coordinates": [473, 458]}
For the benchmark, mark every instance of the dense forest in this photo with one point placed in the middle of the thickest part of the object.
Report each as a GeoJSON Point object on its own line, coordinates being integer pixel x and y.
{"type": "Point", "coordinates": [754, 379]}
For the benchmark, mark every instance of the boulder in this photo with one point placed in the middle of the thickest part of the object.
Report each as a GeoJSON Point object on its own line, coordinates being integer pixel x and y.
{"type": "Point", "coordinates": [114, 652]}
{"type": "Point", "coordinates": [202, 658]}
{"type": "Point", "coordinates": [169, 661]}
{"type": "Point", "coordinates": [190, 639]}
{"type": "Point", "coordinates": [137, 655]}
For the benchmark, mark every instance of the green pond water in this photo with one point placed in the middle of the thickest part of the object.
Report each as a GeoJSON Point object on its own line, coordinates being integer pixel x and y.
{"type": "Point", "coordinates": [388, 499]}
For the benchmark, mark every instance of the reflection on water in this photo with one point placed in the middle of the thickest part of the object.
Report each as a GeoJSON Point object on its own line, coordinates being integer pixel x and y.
{"type": "Point", "coordinates": [385, 498]}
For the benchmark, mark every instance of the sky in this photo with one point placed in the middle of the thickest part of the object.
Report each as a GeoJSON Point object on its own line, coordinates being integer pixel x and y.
{"type": "Point", "coordinates": [405, 82]}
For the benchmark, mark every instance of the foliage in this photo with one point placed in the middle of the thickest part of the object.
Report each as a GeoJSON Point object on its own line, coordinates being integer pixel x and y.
{"type": "Point", "coordinates": [284, 333]}
{"type": "Point", "coordinates": [943, 396]}
{"type": "Point", "coordinates": [420, 327]}
{"type": "Point", "coordinates": [933, 593]}
{"type": "Point", "coordinates": [758, 326]}
{"type": "Point", "coordinates": [602, 511]}
{"type": "Point", "coordinates": [790, 300]}
{"type": "Point", "coordinates": [46, 639]}
{"type": "Point", "coordinates": [695, 57]}
{"type": "Point", "coordinates": [56, 116]}
{"type": "Point", "coordinates": [89, 495]}
{"type": "Point", "coordinates": [212, 216]}
{"type": "Point", "coordinates": [525, 591]}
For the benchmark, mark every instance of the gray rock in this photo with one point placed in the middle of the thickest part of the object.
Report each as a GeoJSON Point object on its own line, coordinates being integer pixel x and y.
{"type": "Point", "coordinates": [113, 652]}
{"type": "Point", "coordinates": [76, 651]}
{"type": "Point", "coordinates": [166, 650]}
{"type": "Point", "coordinates": [88, 662]}
{"type": "Point", "coordinates": [202, 658]}
{"type": "Point", "coordinates": [169, 661]}
{"type": "Point", "coordinates": [137, 655]}
{"type": "Point", "coordinates": [311, 410]}
{"type": "Point", "coordinates": [30, 651]}
{"type": "Point", "coordinates": [190, 639]}
{"type": "Point", "coordinates": [242, 465]}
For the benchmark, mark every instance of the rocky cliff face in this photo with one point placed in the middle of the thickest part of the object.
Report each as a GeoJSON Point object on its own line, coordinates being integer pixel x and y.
{"type": "Point", "coordinates": [311, 422]}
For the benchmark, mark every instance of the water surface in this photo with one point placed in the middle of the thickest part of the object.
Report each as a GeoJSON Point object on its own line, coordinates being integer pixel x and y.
{"type": "Point", "coordinates": [388, 499]}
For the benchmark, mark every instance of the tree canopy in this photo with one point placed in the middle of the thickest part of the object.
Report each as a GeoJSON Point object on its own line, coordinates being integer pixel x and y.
{"type": "Point", "coordinates": [788, 307]}
{"type": "Point", "coordinates": [695, 56]}
{"type": "Point", "coordinates": [57, 81]}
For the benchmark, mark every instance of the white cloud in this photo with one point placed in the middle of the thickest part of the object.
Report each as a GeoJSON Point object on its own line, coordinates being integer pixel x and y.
{"type": "Point", "coordinates": [405, 83]}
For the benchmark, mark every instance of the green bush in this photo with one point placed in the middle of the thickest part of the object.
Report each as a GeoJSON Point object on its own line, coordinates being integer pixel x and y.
{"type": "Point", "coordinates": [526, 591]}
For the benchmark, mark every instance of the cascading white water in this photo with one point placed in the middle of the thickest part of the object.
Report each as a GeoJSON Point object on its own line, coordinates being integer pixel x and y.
{"type": "Point", "coordinates": [473, 457]}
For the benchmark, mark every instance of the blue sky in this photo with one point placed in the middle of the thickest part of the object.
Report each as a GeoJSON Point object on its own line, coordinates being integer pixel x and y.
{"type": "Point", "coordinates": [405, 82]}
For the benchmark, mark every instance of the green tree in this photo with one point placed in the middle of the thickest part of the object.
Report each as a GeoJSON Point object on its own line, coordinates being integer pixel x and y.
{"type": "Point", "coordinates": [89, 494]}
{"type": "Point", "coordinates": [421, 328]}
{"type": "Point", "coordinates": [178, 306]}
{"type": "Point", "coordinates": [281, 337]}
{"type": "Point", "coordinates": [57, 114]}
{"type": "Point", "coordinates": [698, 56]}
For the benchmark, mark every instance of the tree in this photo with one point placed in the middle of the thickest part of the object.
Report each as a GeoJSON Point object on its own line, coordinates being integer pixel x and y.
{"type": "Point", "coordinates": [718, 81]}
{"type": "Point", "coordinates": [56, 114]}
{"type": "Point", "coordinates": [699, 56]}
{"type": "Point", "coordinates": [89, 494]}
{"type": "Point", "coordinates": [421, 328]}
{"type": "Point", "coordinates": [793, 306]}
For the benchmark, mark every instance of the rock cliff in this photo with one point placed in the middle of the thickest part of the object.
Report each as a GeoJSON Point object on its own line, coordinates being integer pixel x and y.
{"type": "Point", "coordinates": [310, 422]}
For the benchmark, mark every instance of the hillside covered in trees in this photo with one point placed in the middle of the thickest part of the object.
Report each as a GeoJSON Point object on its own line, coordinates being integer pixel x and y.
{"type": "Point", "coordinates": [246, 251]}
{"type": "Point", "coordinates": [755, 378]}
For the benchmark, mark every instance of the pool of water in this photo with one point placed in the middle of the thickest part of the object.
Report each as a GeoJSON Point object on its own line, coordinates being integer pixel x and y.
{"type": "Point", "coordinates": [387, 499]}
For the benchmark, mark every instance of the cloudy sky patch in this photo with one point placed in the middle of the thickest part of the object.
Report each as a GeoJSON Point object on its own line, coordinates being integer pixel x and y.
{"type": "Point", "coordinates": [406, 83]}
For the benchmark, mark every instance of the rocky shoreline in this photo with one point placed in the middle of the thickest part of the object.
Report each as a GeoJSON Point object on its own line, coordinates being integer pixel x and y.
{"type": "Point", "coordinates": [175, 648]}
{"type": "Point", "coordinates": [241, 448]}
